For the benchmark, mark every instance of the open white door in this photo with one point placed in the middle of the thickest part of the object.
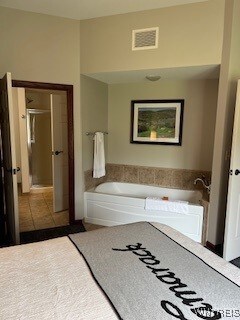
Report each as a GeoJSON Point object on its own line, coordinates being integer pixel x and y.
{"type": "Point", "coordinates": [231, 248]}
{"type": "Point", "coordinates": [59, 152]}
{"type": "Point", "coordinates": [21, 138]}
{"type": "Point", "coordinates": [9, 158]}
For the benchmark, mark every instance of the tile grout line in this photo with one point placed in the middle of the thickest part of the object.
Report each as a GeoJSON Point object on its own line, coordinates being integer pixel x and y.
{"type": "Point", "coordinates": [34, 210]}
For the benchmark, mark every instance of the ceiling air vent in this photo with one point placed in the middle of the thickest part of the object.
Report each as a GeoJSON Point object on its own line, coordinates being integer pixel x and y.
{"type": "Point", "coordinates": [143, 39]}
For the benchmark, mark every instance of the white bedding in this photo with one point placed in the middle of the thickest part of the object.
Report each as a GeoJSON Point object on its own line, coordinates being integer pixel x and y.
{"type": "Point", "coordinates": [50, 280]}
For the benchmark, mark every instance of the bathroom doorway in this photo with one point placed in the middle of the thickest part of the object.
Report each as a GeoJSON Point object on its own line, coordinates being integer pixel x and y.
{"type": "Point", "coordinates": [44, 154]}
{"type": "Point", "coordinates": [39, 146]}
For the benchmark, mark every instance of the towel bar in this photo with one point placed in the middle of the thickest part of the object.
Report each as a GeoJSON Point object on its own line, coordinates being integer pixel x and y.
{"type": "Point", "coordinates": [93, 133]}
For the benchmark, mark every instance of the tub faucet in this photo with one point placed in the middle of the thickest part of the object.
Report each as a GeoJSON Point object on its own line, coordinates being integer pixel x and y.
{"type": "Point", "coordinates": [204, 182]}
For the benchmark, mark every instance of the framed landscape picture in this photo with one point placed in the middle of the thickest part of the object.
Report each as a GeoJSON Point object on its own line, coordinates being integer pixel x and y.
{"type": "Point", "coordinates": [157, 121]}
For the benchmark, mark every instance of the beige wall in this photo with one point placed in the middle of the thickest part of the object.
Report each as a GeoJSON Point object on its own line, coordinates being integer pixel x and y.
{"type": "Point", "coordinates": [38, 47]}
{"type": "Point", "coordinates": [44, 48]}
{"type": "Point", "coordinates": [230, 72]}
{"type": "Point", "coordinates": [198, 124]}
{"type": "Point", "coordinates": [94, 102]}
{"type": "Point", "coordinates": [188, 35]}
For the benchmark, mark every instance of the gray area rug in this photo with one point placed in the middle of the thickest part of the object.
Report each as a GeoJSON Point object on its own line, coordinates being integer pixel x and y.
{"type": "Point", "coordinates": [50, 233]}
{"type": "Point", "coordinates": [146, 275]}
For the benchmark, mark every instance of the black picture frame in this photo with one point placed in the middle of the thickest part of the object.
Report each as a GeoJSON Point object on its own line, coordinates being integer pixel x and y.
{"type": "Point", "coordinates": [157, 121]}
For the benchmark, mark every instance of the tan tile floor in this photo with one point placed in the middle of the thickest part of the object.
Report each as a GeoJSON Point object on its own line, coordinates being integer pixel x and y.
{"type": "Point", "coordinates": [36, 212]}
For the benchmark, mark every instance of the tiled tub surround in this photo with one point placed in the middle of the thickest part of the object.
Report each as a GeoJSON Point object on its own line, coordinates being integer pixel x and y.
{"type": "Point", "coordinates": [90, 182]}
{"type": "Point", "coordinates": [162, 177]}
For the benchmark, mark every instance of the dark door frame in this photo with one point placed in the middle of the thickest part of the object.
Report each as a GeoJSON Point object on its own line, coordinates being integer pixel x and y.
{"type": "Point", "coordinates": [69, 91]}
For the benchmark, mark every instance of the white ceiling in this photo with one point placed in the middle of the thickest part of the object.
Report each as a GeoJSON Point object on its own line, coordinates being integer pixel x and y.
{"type": "Point", "coordinates": [86, 9]}
{"type": "Point", "coordinates": [183, 73]}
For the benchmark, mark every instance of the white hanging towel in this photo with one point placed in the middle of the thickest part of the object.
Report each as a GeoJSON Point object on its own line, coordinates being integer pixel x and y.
{"type": "Point", "coordinates": [99, 156]}
{"type": "Point", "coordinates": [153, 203]}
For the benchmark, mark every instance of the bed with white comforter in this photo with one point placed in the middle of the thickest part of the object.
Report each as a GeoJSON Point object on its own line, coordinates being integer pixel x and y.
{"type": "Point", "coordinates": [50, 280]}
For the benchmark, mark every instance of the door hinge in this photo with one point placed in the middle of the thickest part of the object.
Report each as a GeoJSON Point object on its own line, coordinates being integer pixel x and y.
{"type": "Point", "coordinates": [57, 152]}
{"type": "Point", "coordinates": [15, 170]}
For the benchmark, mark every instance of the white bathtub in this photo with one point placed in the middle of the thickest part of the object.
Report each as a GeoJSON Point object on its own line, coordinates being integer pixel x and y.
{"type": "Point", "coordinates": [114, 203]}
